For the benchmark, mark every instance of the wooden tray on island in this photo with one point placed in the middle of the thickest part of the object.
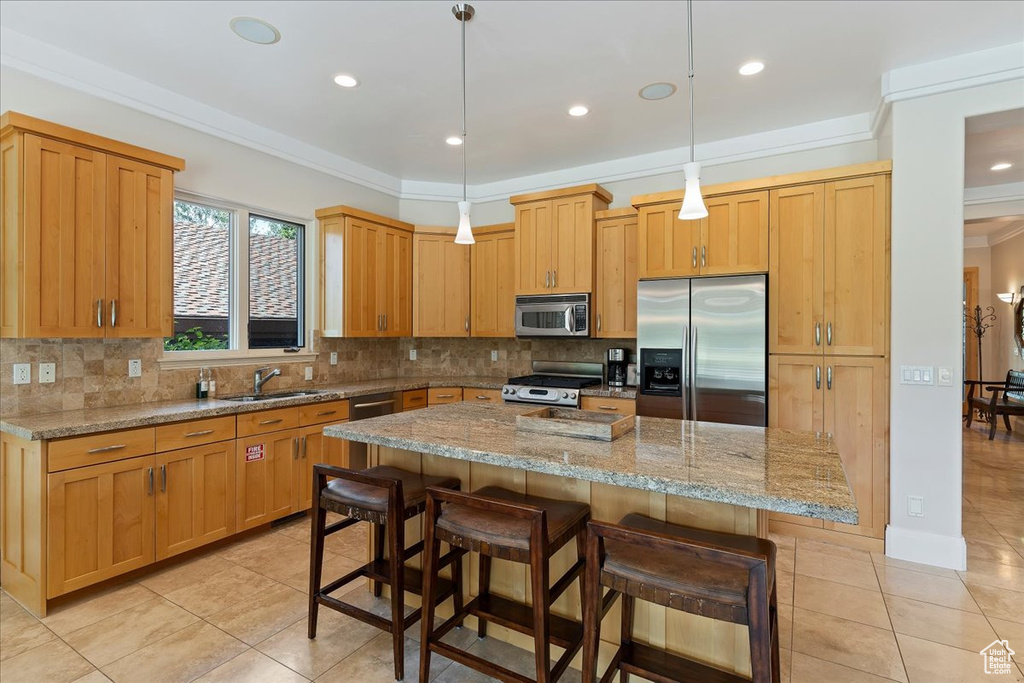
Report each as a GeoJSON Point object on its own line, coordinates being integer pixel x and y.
{"type": "Point", "coordinates": [579, 424]}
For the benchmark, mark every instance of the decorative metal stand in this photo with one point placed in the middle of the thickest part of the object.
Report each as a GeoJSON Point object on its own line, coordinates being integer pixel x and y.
{"type": "Point", "coordinates": [979, 324]}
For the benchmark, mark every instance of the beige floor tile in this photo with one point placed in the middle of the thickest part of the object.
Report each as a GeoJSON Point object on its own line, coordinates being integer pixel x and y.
{"type": "Point", "coordinates": [881, 560]}
{"type": "Point", "coordinates": [262, 615]}
{"type": "Point", "coordinates": [835, 568]}
{"type": "Point", "coordinates": [938, 590]}
{"type": "Point", "coordinates": [351, 542]}
{"type": "Point", "coordinates": [999, 603]}
{"type": "Point", "coordinates": [182, 656]}
{"type": "Point", "coordinates": [220, 591]}
{"type": "Point", "coordinates": [807, 669]}
{"type": "Point", "coordinates": [839, 600]}
{"type": "Point", "coordinates": [928, 662]}
{"type": "Point", "coordinates": [374, 662]}
{"type": "Point", "coordinates": [94, 677]}
{"type": "Point", "coordinates": [335, 566]}
{"type": "Point", "coordinates": [1010, 630]}
{"type": "Point", "coordinates": [784, 588]}
{"type": "Point", "coordinates": [994, 574]}
{"type": "Point", "coordinates": [123, 633]}
{"type": "Point", "coordinates": [833, 549]}
{"type": "Point", "coordinates": [279, 560]}
{"type": "Point", "coordinates": [184, 574]}
{"type": "Point", "coordinates": [251, 666]}
{"type": "Point", "coordinates": [19, 630]}
{"type": "Point", "coordinates": [1000, 553]}
{"type": "Point", "coordinates": [849, 643]}
{"type": "Point", "coordinates": [337, 637]}
{"type": "Point", "coordinates": [966, 630]}
{"type": "Point", "coordinates": [80, 613]}
{"type": "Point", "coordinates": [52, 662]}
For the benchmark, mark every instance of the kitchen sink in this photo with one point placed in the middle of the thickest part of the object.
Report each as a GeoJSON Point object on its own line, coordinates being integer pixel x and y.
{"type": "Point", "coordinates": [253, 398]}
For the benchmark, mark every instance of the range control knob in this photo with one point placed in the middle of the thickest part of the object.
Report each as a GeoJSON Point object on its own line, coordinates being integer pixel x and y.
{"type": "Point", "coordinates": [506, 390]}
{"type": "Point", "coordinates": [565, 394]}
{"type": "Point", "coordinates": [572, 394]}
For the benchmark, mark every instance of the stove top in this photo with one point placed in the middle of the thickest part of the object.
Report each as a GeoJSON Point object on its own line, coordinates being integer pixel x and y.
{"type": "Point", "coordinates": [549, 388]}
{"type": "Point", "coordinates": [555, 381]}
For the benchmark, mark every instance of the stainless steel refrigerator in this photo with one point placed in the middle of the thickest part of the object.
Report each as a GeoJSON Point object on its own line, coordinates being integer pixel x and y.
{"type": "Point", "coordinates": [702, 349]}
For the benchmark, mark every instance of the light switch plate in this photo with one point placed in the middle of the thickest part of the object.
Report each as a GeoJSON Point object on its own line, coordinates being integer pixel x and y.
{"type": "Point", "coordinates": [917, 374]}
{"type": "Point", "coordinates": [945, 377]}
{"type": "Point", "coordinates": [135, 368]}
{"type": "Point", "coordinates": [47, 373]}
{"type": "Point", "coordinates": [412, 354]}
{"type": "Point", "coordinates": [915, 506]}
{"type": "Point", "coordinates": [309, 373]}
{"type": "Point", "coordinates": [334, 357]}
{"type": "Point", "coordinates": [22, 373]}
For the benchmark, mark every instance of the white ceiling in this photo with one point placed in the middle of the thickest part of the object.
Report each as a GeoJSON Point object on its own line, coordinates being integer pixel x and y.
{"type": "Point", "coordinates": [992, 139]}
{"type": "Point", "coordinates": [994, 228]}
{"type": "Point", "coordinates": [528, 62]}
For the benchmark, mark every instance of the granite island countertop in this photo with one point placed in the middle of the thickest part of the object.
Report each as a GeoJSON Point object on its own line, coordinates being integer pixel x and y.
{"type": "Point", "coordinates": [69, 423]}
{"type": "Point", "coordinates": [798, 473]}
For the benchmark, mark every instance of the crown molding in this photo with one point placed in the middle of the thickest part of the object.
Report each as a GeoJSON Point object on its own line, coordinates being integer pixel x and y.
{"type": "Point", "coordinates": [993, 194]}
{"type": "Point", "coordinates": [1007, 233]}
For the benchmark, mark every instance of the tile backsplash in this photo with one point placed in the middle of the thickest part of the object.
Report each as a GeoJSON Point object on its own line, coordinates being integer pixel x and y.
{"type": "Point", "coordinates": [93, 373]}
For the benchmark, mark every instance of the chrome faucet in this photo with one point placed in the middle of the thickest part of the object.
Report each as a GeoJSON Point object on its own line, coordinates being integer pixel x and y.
{"type": "Point", "coordinates": [259, 379]}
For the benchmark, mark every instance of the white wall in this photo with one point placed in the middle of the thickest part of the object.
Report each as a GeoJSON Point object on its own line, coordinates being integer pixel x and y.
{"type": "Point", "coordinates": [927, 275]}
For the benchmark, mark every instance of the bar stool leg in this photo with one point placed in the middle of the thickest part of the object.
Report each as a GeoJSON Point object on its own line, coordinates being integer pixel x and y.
{"type": "Point", "coordinates": [759, 628]}
{"type": "Point", "coordinates": [396, 560]}
{"type": "Point", "coordinates": [541, 611]}
{"type": "Point", "coordinates": [431, 553]}
{"type": "Point", "coordinates": [457, 603]}
{"type": "Point", "coordinates": [378, 554]}
{"type": "Point", "coordinates": [592, 608]}
{"type": "Point", "coordinates": [483, 589]}
{"type": "Point", "coordinates": [316, 553]}
{"type": "Point", "coordinates": [628, 610]}
{"type": "Point", "coordinates": [776, 671]}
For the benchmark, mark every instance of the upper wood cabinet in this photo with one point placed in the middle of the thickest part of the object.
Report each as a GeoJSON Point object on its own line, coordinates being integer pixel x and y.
{"type": "Point", "coordinates": [667, 246]}
{"type": "Point", "coordinates": [365, 274]}
{"type": "Point", "coordinates": [90, 220]}
{"type": "Point", "coordinates": [441, 285]}
{"type": "Point", "coordinates": [555, 239]}
{"type": "Point", "coordinates": [829, 267]}
{"type": "Point", "coordinates": [615, 285]}
{"type": "Point", "coordinates": [492, 281]}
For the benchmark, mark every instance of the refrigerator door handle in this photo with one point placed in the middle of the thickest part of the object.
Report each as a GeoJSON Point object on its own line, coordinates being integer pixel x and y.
{"type": "Point", "coordinates": [685, 370]}
{"type": "Point", "coordinates": [693, 376]}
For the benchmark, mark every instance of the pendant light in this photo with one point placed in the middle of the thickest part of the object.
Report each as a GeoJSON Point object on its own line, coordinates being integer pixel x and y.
{"type": "Point", "coordinates": [693, 203]}
{"type": "Point", "coordinates": [464, 12]}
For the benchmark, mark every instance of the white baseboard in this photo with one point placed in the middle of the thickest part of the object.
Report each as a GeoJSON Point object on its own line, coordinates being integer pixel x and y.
{"type": "Point", "coordinates": [926, 548]}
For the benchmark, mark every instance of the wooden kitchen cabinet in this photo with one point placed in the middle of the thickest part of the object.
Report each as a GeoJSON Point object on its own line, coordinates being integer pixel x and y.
{"type": "Point", "coordinates": [366, 279]}
{"type": "Point", "coordinates": [666, 245]}
{"type": "Point", "coordinates": [623, 406]}
{"type": "Point", "coordinates": [554, 244]}
{"type": "Point", "coordinates": [492, 396]}
{"type": "Point", "coordinates": [734, 236]}
{"type": "Point", "coordinates": [796, 297]}
{"type": "Point", "coordinates": [90, 220]}
{"type": "Point", "coordinates": [441, 285]}
{"type": "Point", "coordinates": [100, 523]}
{"type": "Point", "coordinates": [615, 286]}
{"type": "Point", "coordinates": [314, 449]}
{"type": "Point", "coordinates": [493, 281]}
{"type": "Point", "coordinates": [440, 395]}
{"type": "Point", "coordinates": [195, 497]}
{"type": "Point", "coordinates": [265, 477]}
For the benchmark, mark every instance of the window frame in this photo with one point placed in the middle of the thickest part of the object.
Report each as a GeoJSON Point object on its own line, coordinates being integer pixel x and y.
{"type": "Point", "coordinates": [238, 293]}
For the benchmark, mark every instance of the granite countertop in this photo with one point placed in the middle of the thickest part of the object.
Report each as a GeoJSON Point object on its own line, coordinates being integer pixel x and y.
{"type": "Point", "coordinates": [772, 469]}
{"type": "Point", "coordinates": [93, 420]}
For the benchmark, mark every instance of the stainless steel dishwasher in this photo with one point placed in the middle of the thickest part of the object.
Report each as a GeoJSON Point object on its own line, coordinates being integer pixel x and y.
{"type": "Point", "coordinates": [364, 407]}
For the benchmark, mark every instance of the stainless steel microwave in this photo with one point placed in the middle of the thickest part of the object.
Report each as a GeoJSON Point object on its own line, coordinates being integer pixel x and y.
{"type": "Point", "coordinates": [565, 315]}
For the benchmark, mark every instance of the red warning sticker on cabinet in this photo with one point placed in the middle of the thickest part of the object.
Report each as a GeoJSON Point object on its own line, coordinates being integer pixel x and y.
{"type": "Point", "coordinates": [253, 453]}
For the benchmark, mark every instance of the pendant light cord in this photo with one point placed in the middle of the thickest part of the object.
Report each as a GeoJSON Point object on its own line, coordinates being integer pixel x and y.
{"type": "Point", "coordinates": [463, 22]}
{"type": "Point", "coordinates": [689, 44]}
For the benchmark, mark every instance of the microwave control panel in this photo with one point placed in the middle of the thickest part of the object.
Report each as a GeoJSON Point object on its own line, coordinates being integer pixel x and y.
{"type": "Point", "coordinates": [580, 315]}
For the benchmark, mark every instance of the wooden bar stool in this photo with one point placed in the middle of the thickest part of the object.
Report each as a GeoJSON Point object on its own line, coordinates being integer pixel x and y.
{"type": "Point", "coordinates": [499, 523]}
{"type": "Point", "coordinates": [386, 497]}
{"type": "Point", "coordinates": [721, 576]}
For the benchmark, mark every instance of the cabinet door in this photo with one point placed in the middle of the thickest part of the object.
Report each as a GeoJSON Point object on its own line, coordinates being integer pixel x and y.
{"type": "Point", "coordinates": [63, 250]}
{"type": "Point", "coordinates": [572, 244]}
{"type": "Point", "coordinates": [493, 287]}
{"type": "Point", "coordinates": [441, 287]}
{"type": "Point", "coordinates": [195, 497]}
{"type": "Point", "coordinates": [615, 288]}
{"type": "Point", "coordinates": [314, 449]}
{"type": "Point", "coordinates": [796, 291]}
{"type": "Point", "coordinates": [533, 248]}
{"type": "Point", "coordinates": [856, 414]}
{"type": "Point", "coordinates": [395, 283]}
{"type": "Point", "coordinates": [734, 236]}
{"type": "Point", "coordinates": [362, 275]}
{"type": "Point", "coordinates": [796, 386]}
{"type": "Point", "coordinates": [139, 247]}
{"type": "Point", "coordinates": [265, 477]}
{"type": "Point", "coordinates": [99, 523]}
{"type": "Point", "coordinates": [332, 276]}
{"type": "Point", "coordinates": [856, 266]}
{"type": "Point", "coordinates": [667, 246]}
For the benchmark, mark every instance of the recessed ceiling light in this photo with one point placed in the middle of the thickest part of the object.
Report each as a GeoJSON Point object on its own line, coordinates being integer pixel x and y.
{"type": "Point", "coordinates": [578, 110]}
{"type": "Point", "coordinates": [657, 91]}
{"type": "Point", "coordinates": [1002, 166]}
{"type": "Point", "coordinates": [454, 140]}
{"type": "Point", "coordinates": [346, 81]}
{"type": "Point", "coordinates": [751, 68]}
{"type": "Point", "coordinates": [255, 30]}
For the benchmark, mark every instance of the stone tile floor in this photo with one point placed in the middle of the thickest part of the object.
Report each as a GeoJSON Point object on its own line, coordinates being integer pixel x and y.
{"type": "Point", "coordinates": [237, 613]}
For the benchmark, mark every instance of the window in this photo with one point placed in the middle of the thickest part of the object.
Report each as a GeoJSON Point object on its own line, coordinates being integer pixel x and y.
{"type": "Point", "coordinates": [239, 281]}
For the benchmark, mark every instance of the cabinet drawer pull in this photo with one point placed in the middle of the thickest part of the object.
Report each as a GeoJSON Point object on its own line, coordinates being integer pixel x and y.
{"type": "Point", "coordinates": [326, 412]}
{"type": "Point", "coordinates": [271, 422]}
{"type": "Point", "coordinates": [446, 395]}
{"type": "Point", "coordinates": [201, 432]}
{"type": "Point", "coordinates": [415, 399]}
{"type": "Point", "coordinates": [607, 407]}
{"type": "Point", "coordinates": [483, 398]}
{"type": "Point", "coordinates": [99, 312]}
{"type": "Point", "coordinates": [107, 449]}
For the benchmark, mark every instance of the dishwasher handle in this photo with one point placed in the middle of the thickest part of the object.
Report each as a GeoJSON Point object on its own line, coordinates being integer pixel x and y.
{"type": "Point", "coordinates": [374, 404]}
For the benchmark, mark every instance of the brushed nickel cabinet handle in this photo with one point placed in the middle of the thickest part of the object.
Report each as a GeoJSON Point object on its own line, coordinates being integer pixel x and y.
{"type": "Point", "coordinates": [295, 448]}
{"type": "Point", "coordinates": [703, 256]}
{"type": "Point", "coordinates": [113, 312]}
{"type": "Point", "coordinates": [446, 395]}
{"type": "Point", "coordinates": [326, 412]}
{"type": "Point", "coordinates": [163, 478]}
{"type": "Point", "coordinates": [467, 323]}
{"type": "Point", "coordinates": [817, 334]}
{"type": "Point", "coordinates": [483, 398]}
{"type": "Point", "coordinates": [598, 322]}
{"type": "Point", "coordinates": [694, 257]}
{"type": "Point", "coordinates": [201, 432]}
{"type": "Point", "coordinates": [150, 491]}
{"type": "Point", "coordinates": [828, 334]}
{"type": "Point", "coordinates": [303, 448]}
{"type": "Point", "coordinates": [271, 422]}
{"type": "Point", "coordinates": [554, 278]}
{"type": "Point", "coordinates": [607, 407]}
{"type": "Point", "coordinates": [385, 322]}
{"type": "Point", "coordinates": [547, 278]}
{"type": "Point", "coordinates": [107, 449]}
{"type": "Point", "coordinates": [99, 312]}
{"type": "Point", "coordinates": [828, 376]}
{"type": "Point", "coordinates": [379, 327]}
{"type": "Point", "coordinates": [817, 377]}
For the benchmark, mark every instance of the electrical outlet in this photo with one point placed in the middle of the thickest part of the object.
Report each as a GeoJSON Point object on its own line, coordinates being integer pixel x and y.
{"type": "Point", "coordinates": [135, 368]}
{"type": "Point", "coordinates": [22, 373]}
{"type": "Point", "coordinates": [47, 373]}
{"type": "Point", "coordinates": [494, 356]}
{"type": "Point", "coordinates": [309, 373]}
{"type": "Point", "coordinates": [945, 377]}
{"type": "Point", "coordinates": [412, 354]}
{"type": "Point", "coordinates": [915, 506]}
{"type": "Point", "coordinates": [334, 357]}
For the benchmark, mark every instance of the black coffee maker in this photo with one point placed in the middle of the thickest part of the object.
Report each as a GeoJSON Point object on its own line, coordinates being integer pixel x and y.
{"type": "Point", "coordinates": [618, 363]}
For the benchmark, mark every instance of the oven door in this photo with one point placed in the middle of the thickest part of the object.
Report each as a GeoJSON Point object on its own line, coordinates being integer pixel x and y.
{"type": "Point", "coordinates": [551, 316]}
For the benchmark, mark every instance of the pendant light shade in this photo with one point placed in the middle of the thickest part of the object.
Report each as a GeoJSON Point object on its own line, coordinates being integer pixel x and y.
{"type": "Point", "coordinates": [465, 233]}
{"type": "Point", "coordinates": [693, 201]}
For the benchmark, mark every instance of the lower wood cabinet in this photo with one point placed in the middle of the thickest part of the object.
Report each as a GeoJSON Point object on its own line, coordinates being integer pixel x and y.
{"type": "Point", "coordinates": [265, 477]}
{"type": "Point", "coordinates": [440, 395]}
{"type": "Point", "coordinates": [195, 497]}
{"type": "Point", "coordinates": [623, 406]}
{"type": "Point", "coordinates": [315, 448]}
{"type": "Point", "coordinates": [471, 395]}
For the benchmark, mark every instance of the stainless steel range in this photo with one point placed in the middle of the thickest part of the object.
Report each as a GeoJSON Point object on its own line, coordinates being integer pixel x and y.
{"type": "Point", "coordinates": [553, 383]}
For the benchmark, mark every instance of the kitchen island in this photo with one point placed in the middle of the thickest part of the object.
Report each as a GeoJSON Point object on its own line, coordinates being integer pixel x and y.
{"type": "Point", "coordinates": [705, 475]}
